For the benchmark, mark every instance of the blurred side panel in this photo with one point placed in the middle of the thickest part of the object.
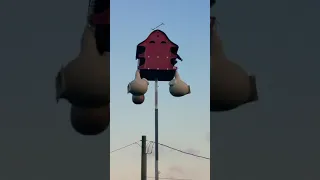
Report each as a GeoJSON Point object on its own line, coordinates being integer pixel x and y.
{"type": "Point", "coordinates": [274, 137]}
{"type": "Point", "coordinates": [85, 81]}
{"type": "Point", "coordinates": [231, 88]}
{"type": "Point", "coordinates": [231, 85]}
{"type": "Point", "coordinates": [55, 101]}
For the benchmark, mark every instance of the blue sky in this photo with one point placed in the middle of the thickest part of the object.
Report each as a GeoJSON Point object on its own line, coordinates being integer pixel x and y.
{"type": "Point", "coordinates": [183, 122]}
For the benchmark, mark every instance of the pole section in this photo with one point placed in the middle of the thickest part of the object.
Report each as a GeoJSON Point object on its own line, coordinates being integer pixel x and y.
{"type": "Point", "coordinates": [144, 158]}
{"type": "Point", "coordinates": [156, 132]}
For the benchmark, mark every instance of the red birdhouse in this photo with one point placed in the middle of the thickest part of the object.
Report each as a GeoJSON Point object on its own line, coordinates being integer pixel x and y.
{"type": "Point", "coordinates": [157, 56]}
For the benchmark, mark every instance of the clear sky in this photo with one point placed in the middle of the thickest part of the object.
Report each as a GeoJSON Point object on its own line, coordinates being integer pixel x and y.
{"type": "Point", "coordinates": [183, 122]}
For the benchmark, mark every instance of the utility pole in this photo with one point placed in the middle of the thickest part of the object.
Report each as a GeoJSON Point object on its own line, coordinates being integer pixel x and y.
{"type": "Point", "coordinates": [144, 158]}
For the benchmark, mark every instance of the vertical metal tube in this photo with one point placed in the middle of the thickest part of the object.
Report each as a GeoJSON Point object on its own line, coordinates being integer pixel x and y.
{"type": "Point", "coordinates": [156, 133]}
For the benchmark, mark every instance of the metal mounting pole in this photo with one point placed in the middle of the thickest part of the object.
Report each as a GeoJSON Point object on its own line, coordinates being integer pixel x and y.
{"type": "Point", "coordinates": [156, 133]}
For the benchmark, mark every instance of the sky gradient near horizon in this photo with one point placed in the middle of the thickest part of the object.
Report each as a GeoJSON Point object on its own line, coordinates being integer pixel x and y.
{"type": "Point", "coordinates": [183, 122]}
